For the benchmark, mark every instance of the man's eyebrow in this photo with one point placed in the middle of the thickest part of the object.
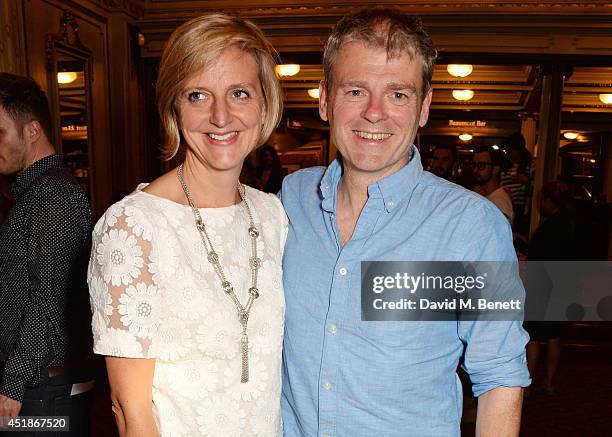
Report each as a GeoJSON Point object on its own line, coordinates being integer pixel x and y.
{"type": "Point", "coordinates": [354, 83]}
{"type": "Point", "coordinates": [396, 86]}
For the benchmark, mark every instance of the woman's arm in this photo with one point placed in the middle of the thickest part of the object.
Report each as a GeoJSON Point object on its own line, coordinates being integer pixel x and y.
{"type": "Point", "coordinates": [131, 381]}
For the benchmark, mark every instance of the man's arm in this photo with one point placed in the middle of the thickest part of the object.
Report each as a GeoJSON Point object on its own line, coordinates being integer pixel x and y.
{"type": "Point", "coordinates": [54, 241]}
{"type": "Point", "coordinates": [499, 412]}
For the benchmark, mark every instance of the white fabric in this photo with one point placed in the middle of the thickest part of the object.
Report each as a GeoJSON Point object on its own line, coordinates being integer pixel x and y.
{"type": "Point", "coordinates": [503, 201]}
{"type": "Point", "coordinates": [155, 295]}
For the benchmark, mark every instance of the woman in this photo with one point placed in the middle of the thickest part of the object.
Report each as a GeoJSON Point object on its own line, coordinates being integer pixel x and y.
{"type": "Point", "coordinates": [185, 274]}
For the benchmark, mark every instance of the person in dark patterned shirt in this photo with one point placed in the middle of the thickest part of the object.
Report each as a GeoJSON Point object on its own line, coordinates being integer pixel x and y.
{"type": "Point", "coordinates": [44, 247]}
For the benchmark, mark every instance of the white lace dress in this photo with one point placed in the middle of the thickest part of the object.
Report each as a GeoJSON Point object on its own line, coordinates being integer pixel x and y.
{"type": "Point", "coordinates": [154, 295]}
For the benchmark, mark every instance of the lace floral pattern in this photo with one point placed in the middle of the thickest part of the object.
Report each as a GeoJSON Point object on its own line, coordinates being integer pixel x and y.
{"type": "Point", "coordinates": [154, 295]}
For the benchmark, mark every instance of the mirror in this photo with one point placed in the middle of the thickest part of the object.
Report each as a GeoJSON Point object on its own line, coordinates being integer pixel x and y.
{"type": "Point", "coordinates": [68, 65]}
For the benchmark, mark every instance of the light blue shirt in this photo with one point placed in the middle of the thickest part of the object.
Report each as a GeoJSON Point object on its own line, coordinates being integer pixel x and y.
{"type": "Point", "coordinates": [345, 377]}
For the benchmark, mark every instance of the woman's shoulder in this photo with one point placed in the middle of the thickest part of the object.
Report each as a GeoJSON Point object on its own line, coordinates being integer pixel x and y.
{"type": "Point", "coordinates": [138, 208]}
{"type": "Point", "coordinates": [266, 204]}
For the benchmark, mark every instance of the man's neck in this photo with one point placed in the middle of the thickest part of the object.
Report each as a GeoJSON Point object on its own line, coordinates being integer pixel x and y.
{"type": "Point", "coordinates": [488, 187]}
{"type": "Point", "coordinates": [351, 197]}
{"type": "Point", "coordinates": [39, 151]}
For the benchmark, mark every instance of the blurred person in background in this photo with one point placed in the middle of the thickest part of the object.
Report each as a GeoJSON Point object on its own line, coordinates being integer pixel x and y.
{"type": "Point", "coordinates": [554, 240]}
{"type": "Point", "coordinates": [269, 170]}
{"type": "Point", "coordinates": [517, 179]}
{"type": "Point", "coordinates": [443, 161]}
{"type": "Point", "coordinates": [487, 165]}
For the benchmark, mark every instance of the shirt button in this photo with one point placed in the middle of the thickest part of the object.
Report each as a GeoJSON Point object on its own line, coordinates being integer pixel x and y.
{"type": "Point", "coordinates": [343, 271]}
{"type": "Point", "coordinates": [327, 385]}
{"type": "Point", "coordinates": [391, 204]}
{"type": "Point", "coordinates": [333, 328]}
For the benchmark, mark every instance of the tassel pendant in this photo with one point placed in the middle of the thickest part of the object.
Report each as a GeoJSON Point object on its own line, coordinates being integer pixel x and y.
{"type": "Point", "coordinates": [244, 353]}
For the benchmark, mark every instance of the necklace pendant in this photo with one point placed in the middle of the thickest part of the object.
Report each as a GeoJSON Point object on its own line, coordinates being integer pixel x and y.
{"type": "Point", "coordinates": [244, 354]}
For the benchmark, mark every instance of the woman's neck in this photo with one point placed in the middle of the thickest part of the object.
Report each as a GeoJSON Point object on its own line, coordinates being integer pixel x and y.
{"type": "Point", "coordinates": [209, 188]}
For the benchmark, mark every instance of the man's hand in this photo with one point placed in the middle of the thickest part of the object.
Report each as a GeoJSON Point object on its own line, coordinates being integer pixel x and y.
{"type": "Point", "coordinates": [8, 408]}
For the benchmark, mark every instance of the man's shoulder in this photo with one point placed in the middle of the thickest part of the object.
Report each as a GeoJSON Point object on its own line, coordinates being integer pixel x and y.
{"type": "Point", "coordinates": [301, 181]}
{"type": "Point", "coordinates": [310, 175]}
{"type": "Point", "coordinates": [450, 191]}
{"type": "Point", "coordinates": [58, 187]}
{"type": "Point", "coordinates": [455, 199]}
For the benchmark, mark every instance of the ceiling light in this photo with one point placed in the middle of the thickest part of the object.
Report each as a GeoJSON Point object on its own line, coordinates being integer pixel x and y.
{"type": "Point", "coordinates": [570, 135]}
{"type": "Point", "coordinates": [606, 98]}
{"type": "Point", "coordinates": [459, 70]}
{"type": "Point", "coordinates": [463, 95]}
{"type": "Point", "coordinates": [314, 93]}
{"type": "Point", "coordinates": [495, 147]}
{"type": "Point", "coordinates": [66, 77]}
{"type": "Point", "coordinates": [465, 137]}
{"type": "Point", "coordinates": [287, 69]}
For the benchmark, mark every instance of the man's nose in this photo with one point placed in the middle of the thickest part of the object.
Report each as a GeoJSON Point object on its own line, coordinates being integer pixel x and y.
{"type": "Point", "coordinates": [375, 110]}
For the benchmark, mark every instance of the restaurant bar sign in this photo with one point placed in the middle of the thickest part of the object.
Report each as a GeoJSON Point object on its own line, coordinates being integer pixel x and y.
{"type": "Point", "coordinates": [466, 123]}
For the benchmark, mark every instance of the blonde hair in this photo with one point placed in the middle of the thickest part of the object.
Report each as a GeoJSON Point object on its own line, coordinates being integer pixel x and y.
{"type": "Point", "coordinates": [196, 44]}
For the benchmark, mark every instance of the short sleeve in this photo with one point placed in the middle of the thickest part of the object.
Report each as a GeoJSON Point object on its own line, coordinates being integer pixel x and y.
{"type": "Point", "coordinates": [125, 301]}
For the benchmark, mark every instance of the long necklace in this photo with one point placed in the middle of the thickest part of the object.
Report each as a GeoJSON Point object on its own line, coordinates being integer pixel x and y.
{"type": "Point", "coordinates": [213, 258]}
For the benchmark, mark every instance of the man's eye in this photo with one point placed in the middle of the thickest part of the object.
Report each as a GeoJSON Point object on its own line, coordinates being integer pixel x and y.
{"type": "Point", "coordinates": [399, 96]}
{"type": "Point", "coordinates": [195, 96]}
{"type": "Point", "coordinates": [354, 93]}
{"type": "Point", "coordinates": [241, 94]}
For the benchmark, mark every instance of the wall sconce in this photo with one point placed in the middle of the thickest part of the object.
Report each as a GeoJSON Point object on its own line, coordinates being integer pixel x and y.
{"type": "Point", "coordinates": [465, 137]}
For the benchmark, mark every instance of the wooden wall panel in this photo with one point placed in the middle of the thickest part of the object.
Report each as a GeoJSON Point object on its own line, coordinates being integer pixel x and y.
{"type": "Point", "coordinates": [43, 17]}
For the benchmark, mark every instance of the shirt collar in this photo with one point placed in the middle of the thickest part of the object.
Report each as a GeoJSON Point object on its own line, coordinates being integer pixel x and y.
{"type": "Point", "coordinates": [391, 189]}
{"type": "Point", "coordinates": [31, 173]}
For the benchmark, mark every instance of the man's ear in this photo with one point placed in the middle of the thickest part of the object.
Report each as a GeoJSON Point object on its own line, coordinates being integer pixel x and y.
{"type": "Point", "coordinates": [425, 108]}
{"type": "Point", "coordinates": [32, 131]}
{"type": "Point", "coordinates": [323, 101]}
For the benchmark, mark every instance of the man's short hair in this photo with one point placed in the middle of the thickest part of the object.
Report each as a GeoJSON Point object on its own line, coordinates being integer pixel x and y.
{"type": "Point", "coordinates": [391, 29]}
{"type": "Point", "coordinates": [24, 101]}
{"type": "Point", "coordinates": [515, 141]}
{"type": "Point", "coordinates": [450, 147]}
{"type": "Point", "coordinates": [496, 155]}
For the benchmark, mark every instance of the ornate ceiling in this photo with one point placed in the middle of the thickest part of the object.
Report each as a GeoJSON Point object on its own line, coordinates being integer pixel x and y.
{"type": "Point", "coordinates": [507, 41]}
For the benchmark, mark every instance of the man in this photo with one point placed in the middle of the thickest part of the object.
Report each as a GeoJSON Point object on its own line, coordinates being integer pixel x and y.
{"type": "Point", "coordinates": [44, 248]}
{"type": "Point", "coordinates": [487, 165]}
{"type": "Point", "coordinates": [346, 377]}
{"type": "Point", "coordinates": [443, 161]}
{"type": "Point", "coordinates": [516, 178]}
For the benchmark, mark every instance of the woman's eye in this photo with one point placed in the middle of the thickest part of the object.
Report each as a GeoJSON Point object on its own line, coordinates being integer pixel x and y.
{"type": "Point", "coordinates": [195, 96]}
{"type": "Point", "coordinates": [241, 94]}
